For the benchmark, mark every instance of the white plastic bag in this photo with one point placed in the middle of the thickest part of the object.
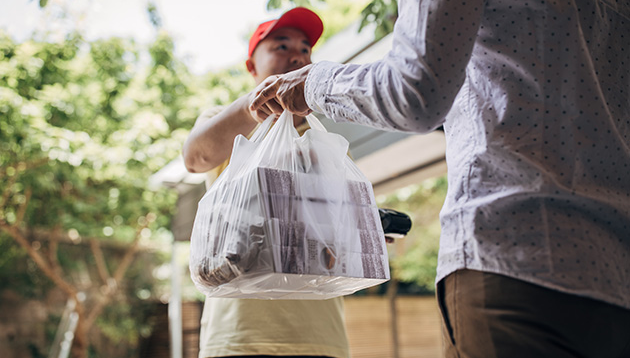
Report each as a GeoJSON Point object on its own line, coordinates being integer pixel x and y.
{"type": "Point", "coordinates": [290, 218]}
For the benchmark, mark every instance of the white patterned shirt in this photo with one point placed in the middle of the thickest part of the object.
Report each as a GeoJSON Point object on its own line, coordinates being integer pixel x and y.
{"type": "Point", "coordinates": [539, 159]}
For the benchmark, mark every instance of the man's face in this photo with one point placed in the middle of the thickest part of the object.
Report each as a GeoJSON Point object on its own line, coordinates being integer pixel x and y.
{"type": "Point", "coordinates": [282, 51]}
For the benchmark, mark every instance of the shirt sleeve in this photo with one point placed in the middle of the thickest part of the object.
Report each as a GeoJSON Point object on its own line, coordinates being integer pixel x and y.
{"type": "Point", "coordinates": [414, 86]}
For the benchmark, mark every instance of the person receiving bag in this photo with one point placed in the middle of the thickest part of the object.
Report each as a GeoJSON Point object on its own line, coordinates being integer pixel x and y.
{"type": "Point", "coordinates": [252, 327]}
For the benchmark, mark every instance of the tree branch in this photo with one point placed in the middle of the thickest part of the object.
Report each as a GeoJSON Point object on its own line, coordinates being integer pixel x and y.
{"type": "Point", "coordinates": [117, 278]}
{"type": "Point", "coordinates": [126, 260]}
{"type": "Point", "coordinates": [15, 233]}
{"type": "Point", "coordinates": [22, 209]}
{"type": "Point", "coordinates": [53, 247]}
{"type": "Point", "coordinates": [100, 261]}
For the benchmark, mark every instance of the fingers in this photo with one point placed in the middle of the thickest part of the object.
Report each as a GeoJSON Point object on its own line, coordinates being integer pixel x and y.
{"type": "Point", "coordinates": [274, 106]}
{"type": "Point", "coordinates": [277, 102]}
{"type": "Point", "coordinates": [265, 95]}
{"type": "Point", "coordinates": [260, 114]}
{"type": "Point", "coordinates": [300, 111]}
{"type": "Point", "coordinates": [266, 110]}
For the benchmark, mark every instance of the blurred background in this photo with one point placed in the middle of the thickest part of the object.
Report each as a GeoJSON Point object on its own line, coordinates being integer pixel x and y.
{"type": "Point", "coordinates": [96, 100]}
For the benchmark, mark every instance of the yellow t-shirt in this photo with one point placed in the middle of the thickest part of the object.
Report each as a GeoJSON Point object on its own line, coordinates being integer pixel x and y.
{"type": "Point", "coordinates": [232, 326]}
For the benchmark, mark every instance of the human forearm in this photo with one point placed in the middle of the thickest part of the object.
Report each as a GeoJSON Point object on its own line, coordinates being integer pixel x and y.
{"type": "Point", "coordinates": [413, 87]}
{"type": "Point", "coordinates": [210, 141]}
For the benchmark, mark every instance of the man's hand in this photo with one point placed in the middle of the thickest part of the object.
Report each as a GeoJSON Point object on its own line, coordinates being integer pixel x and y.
{"type": "Point", "coordinates": [286, 90]}
{"type": "Point", "coordinates": [268, 108]}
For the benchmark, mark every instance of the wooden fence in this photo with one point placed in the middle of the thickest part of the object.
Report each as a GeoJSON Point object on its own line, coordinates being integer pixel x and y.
{"type": "Point", "coordinates": [369, 325]}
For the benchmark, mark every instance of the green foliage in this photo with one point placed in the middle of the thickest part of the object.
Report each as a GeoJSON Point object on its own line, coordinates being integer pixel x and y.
{"type": "Point", "coordinates": [415, 260]}
{"type": "Point", "coordinates": [223, 87]}
{"type": "Point", "coordinates": [338, 15]}
{"type": "Point", "coordinates": [34, 351]}
{"type": "Point", "coordinates": [83, 125]}
{"type": "Point", "coordinates": [124, 322]}
{"type": "Point", "coordinates": [383, 13]}
{"type": "Point", "coordinates": [18, 273]}
{"type": "Point", "coordinates": [80, 131]}
{"type": "Point", "coordinates": [128, 321]}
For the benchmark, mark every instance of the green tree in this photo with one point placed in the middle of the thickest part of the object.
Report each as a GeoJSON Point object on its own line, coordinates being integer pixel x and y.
{"type": "Point", "coordinates": [83, 125]}
{"type": "Point", "coordinates": [383, 13]}
{"type": "Point", "coordinates": [415, 260]}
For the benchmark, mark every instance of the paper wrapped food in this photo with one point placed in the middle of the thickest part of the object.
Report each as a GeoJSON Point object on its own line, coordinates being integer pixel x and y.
{"type": "Point", "coordinates": [295, 220]}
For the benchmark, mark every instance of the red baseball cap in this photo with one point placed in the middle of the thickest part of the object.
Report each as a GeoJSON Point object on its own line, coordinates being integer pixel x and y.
{"type": "Point", "coordinates": [300, 18]}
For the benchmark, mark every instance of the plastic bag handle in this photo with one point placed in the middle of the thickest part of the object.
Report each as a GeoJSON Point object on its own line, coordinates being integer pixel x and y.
{"type": "Point", "coordinates": [265, 126]}
{"type": "Point", "coordinates": [263, 129]}
{"type": "Point", "coordinates": [314, 123]}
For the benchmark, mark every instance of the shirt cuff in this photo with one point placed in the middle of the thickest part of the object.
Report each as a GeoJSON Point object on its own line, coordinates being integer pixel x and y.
{"type": "Point", "coordinates": [317, 85]}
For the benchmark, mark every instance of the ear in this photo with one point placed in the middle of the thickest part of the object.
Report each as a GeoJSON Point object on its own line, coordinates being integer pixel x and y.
{"type": "Point", "coordinates": [251, 67]}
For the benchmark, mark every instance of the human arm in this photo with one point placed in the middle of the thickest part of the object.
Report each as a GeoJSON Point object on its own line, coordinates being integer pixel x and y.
{"type": "Point", "coordinates": [412, 88]}
{"type": "Point", "coordinates": [210, 141]}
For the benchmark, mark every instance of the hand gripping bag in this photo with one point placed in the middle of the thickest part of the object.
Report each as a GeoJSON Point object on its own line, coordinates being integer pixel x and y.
{"type": "Point", "coordinates": [289, 218]}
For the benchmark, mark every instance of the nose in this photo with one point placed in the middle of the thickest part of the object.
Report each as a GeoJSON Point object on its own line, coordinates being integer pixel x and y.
{"type": "Point", "coordinates": [298, 59]}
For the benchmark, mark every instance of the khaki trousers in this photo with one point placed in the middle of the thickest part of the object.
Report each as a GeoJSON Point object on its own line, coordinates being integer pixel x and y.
{"type": "Point", "coordinates": [487, 315]}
